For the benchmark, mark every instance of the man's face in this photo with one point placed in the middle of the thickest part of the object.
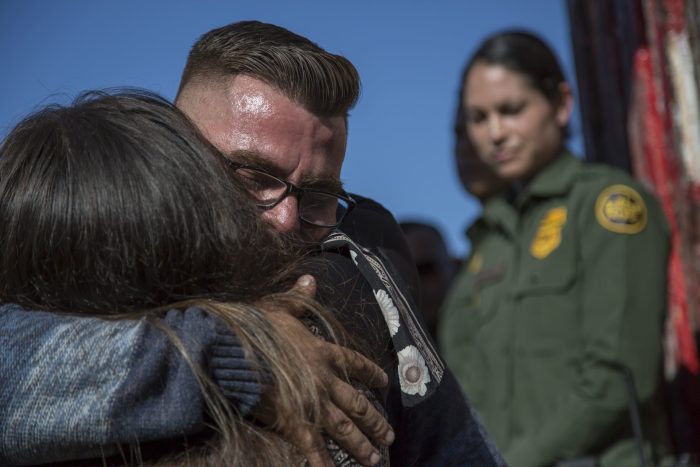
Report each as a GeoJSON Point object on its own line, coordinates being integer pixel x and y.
{"type": "Point", "coordinates": [255, 124]}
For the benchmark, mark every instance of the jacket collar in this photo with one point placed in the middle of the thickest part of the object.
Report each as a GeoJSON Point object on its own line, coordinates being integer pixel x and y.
{"type": "Point", "coordinates": [501, 211]}
{"type": "Point", "coordinates": [497, 212]}
{"type": "Point", "coordinates": [555, 179]}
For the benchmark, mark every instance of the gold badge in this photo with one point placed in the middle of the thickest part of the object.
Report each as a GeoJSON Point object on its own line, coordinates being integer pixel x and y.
{"type": "Point", "coordinates": [548, 236]}
{"type": "Point", "coordinates": [621, 209]}
{"type": "Point", "coordinates": [475, 263]}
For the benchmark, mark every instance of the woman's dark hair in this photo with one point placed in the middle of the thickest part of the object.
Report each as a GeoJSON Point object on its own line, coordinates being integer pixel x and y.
{"type": "Point", "coordinates": [524, 53]}
{"type": "Point", "coordinates": [116, 203]}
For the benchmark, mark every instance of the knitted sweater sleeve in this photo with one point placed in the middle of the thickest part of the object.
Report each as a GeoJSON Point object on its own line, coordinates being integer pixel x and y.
{"type": "Point", "coordinates": [75, 387]}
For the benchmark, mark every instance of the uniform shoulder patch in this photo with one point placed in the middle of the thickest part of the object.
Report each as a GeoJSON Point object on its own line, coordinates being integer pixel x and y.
{"type": "Point", "coordinates": [621, 209]}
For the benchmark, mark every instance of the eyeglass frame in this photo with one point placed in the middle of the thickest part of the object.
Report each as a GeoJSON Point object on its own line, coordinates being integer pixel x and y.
{"type": "Point", "coordinates": [292, 189]}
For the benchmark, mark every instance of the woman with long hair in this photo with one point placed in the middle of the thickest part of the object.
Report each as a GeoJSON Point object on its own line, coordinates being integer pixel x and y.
{"type": "Point", "coordinates": [116, 208]}
{"type": "Point", "coordinates": [560, 306]}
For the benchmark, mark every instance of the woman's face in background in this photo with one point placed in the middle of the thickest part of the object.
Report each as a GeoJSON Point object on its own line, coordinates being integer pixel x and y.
{"type": "Point", "coordinates": [514, 128]}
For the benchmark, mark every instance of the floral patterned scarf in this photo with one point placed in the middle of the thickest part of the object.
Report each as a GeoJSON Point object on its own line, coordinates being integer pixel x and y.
{"type": "Point", "coordinates": [420, 368]}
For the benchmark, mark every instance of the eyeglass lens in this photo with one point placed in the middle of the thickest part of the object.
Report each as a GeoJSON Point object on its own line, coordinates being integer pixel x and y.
{"type": "Point", "coordinates": [264, 188]}
{"type": "Point", "coordinates": [322, 209]}
{"type": "Point", "coordinates": [315, 207]}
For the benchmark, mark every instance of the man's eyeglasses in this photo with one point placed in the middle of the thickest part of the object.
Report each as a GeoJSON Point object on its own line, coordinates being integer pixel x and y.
{"type": "Point", "coordinates": [316, 207]}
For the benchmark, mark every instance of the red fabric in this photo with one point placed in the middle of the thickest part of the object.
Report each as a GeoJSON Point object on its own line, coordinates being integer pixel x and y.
{"type": "Point", "coordinates": [660, 168]}
{"type": "Point", "coordinates": [676, 14]}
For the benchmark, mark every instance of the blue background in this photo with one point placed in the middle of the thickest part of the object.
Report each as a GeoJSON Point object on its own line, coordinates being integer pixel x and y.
{"type": "Point", "coordinates": [409, 55]}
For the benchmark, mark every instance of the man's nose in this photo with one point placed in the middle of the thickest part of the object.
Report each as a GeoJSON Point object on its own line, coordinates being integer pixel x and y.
{"type": "Point", "coordinates": [285, 216]}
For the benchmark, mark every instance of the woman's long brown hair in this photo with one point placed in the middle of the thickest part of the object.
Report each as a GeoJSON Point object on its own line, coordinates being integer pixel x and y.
{"type": "Point", "coordinates": [115, 206]}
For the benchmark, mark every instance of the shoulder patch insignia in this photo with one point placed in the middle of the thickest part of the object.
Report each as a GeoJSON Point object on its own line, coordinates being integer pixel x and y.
{"type": "Point", "coordinates": [621, 209]}
{"type": "Point", "coordinates": [548, 235]}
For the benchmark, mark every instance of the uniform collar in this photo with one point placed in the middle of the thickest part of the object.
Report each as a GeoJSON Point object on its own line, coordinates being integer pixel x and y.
{"type": "Point", "coordinates": [554, 179]}
{"type": "Point", "coordinates": [497, 212]}
{"type": "Point", "coordinates": [501, 211]}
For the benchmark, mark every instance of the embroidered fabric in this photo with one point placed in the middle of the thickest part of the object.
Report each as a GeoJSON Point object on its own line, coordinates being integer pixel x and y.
{"type": "Point", "coordinates": [420, 368]}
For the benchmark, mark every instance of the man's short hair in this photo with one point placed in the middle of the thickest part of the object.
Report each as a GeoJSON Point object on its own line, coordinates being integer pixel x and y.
{"type": "Point", "coordinates": [325, 84]}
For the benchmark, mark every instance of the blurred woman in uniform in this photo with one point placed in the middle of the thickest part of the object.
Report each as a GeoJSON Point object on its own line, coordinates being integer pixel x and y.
{"type": "Point", "coordinates": [116, 208]}
{"type": "Point", "coordinates": [563, 297]}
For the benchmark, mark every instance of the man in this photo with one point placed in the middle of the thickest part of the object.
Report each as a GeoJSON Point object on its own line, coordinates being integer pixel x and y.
{"type": "Point", "coordinates": [276, 105]}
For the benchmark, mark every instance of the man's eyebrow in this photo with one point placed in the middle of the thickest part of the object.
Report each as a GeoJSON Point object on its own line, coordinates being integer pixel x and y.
{"type": "Point", "coordinates": [254, 160]}
{"type": "Point", "coordinates": [322, 183]}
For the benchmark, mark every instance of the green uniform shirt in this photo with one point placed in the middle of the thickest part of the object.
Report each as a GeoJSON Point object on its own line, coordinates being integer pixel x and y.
{"type": "Point", "coordinates": [565, 284]}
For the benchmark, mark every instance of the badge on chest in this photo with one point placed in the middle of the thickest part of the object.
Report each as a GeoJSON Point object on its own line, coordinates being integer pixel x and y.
{"type": "Point", "coordinates": [548, 235]}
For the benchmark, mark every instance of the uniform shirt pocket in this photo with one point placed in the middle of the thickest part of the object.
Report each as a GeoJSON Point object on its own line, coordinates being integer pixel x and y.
{"type": "Point", "coordinates": [545, 298]}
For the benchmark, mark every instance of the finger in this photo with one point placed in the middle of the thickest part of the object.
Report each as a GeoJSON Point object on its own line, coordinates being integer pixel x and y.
{"type": "Point", "coordinates": [305, 285]}
{"type": "Point", "coordinates": [319, 459]}
{"type": "Point", "coordinates": [349, 437]}
{"type": "Point", "coordinates": [300, 434]}
{"type": "Point", "coordinates": [354, 404]}
{"type": "Point", "coordinates": [313, 447]}
{"type": "Point", "coordinates": [358, 366]}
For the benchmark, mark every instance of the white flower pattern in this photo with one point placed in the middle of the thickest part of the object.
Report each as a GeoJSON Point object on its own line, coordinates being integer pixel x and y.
{"type": "Point", "coordinates": [413, 373]}
{"type": "Point", "coordinates": [391, 314]}
{"type": "Point", "coordinates": [353, 255]}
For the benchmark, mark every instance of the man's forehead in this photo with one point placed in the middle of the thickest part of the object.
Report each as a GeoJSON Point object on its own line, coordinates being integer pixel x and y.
{"type": "Point", "coordinates": [246, 94]}
{"type": "Point", "coordinates": [254, 159]}
{"type": "Point", "coordinates": [256, 125]}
